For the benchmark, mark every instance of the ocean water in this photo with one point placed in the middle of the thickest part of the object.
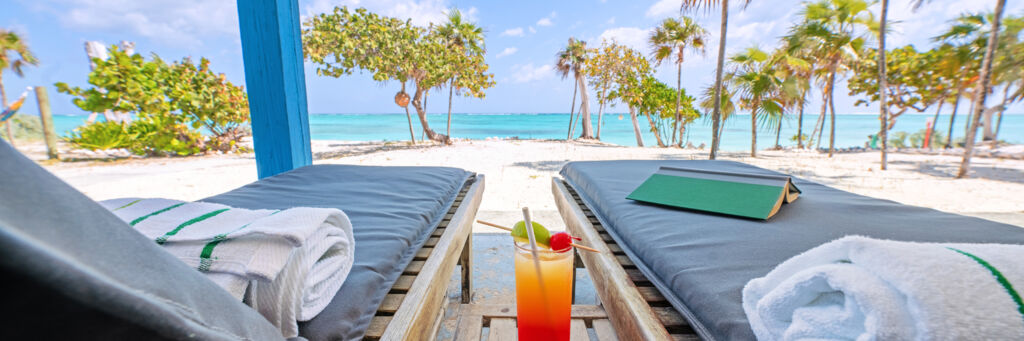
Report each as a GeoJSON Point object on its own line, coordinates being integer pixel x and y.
{"type": "Point", "coordinates": [851, 130]}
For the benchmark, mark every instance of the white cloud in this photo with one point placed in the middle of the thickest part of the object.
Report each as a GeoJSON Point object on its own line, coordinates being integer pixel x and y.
{"type": "Point", "coordinates": [633, 37]}
{"type": "Point", "coordinates": [532, 30]}
{"type": "Point", "coordinates": [179, 22]}
{"type": "Point", "coordinates": [663, 8]}
{"type": "Point", "coordinates": [611, 21]}
{"type": "Point", "coordinates": [527, 72]}
{"type": "Point", "coordinates": [422, 13]}
{"type": "Point", "coordinates": [513, 32]}
{"type": "Point", "coordinates": [506, 52]}
{"type": "Point", "coordinates": [547, 21]}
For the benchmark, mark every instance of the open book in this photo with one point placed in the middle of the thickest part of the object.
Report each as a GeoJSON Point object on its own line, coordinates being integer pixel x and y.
{"type": "Point", "coordinates": [739, 194]}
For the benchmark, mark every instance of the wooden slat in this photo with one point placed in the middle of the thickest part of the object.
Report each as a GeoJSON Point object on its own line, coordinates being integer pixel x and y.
{"type": "Point", "coordinates": [503, 329]}
{"type": "Point", "coordinates": [414, 267]}
{"type": "Point", "coordinates": [391, 303]}
{"type": "Point", "coordinates": [636, 276]}
{"type": "Point", "coordinates": [624, 260]}
{"type": "Point", "coordinates": [615, 248]}
{"type": "Point", "coordinates": [470, 328]}
{"type": "Point", "coordinates": [604, 330]}
{"type": "Point", "coordinates": [438, 231]}
{"type": "Point", "coordinates": [423, 253]}
{"type": "Point", "coordinates": [627, 310]}
{"type": "Point", "coordinates": [669, 317]}
{"type": "Point", "coordinates": [377, 326]}
{"type": "Point", "coordinates": [578, 331]}
{"type": "Point", "coordinates": [414, 320]}
{"type": "Point", "coordinates": [403, 283]}
{"type": "Point", "coordinates": [431, 242]}
{"type": "Point", "coordinates": [685, 337]}
{"type": "Point", "coordinates": [651, 294]}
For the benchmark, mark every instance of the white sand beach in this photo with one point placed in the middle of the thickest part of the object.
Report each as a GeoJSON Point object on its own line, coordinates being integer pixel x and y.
{"type": "Point", "coordinates": [519, 173]}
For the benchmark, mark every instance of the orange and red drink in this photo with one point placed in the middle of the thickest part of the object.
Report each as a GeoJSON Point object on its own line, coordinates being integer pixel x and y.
{"type": "Point", "coordinates": [544, 302]}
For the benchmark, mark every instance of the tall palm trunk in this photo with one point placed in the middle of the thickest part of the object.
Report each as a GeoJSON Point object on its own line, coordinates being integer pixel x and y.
{"type": "Point", "coordinates": [636, 127]}
{"type": "Point", "coordinates": [654, 129]}
{"type": "Point", "coordinates": [572, 109]}
{"type": "Point", "coordinates": [679, 93]}
{"type": "Point", "coordinates": [451, 90]}
{"type": "Point", "coordinates": [716, 114]}
{"type": "Point", "coordinates": [883, 86]}
{"type": "Point", "coordinates": [935, 122]}
{"type": "Point", "coordinates": [999, 121]}
{"type": "Point", "coordinates": [778, 133]}
{"type": "Point", "coordinates": [832, 112]}
{"type": "Point", "coordinates": [576, 121]}
{"type": "Point", "coordinates": [800, 124]}
{"type": "Point", "coordinates": [819, 125]}
{"type": "Point", "coordinates": [753, 130]}
{"type": "Point", "coordinates": [982, 88]}
{"type": "Point", "coordinates": [588, 128]}
{"type": "Point", "coordinates": [952, 119]}
{"type": "Point", "coordinates": [600, 110]}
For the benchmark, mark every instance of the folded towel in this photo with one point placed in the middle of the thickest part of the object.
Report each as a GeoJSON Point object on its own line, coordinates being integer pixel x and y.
{"type": "Point", "coordinates": [286, 264]}
{"type": "Point", "coordinates": [857, 288]}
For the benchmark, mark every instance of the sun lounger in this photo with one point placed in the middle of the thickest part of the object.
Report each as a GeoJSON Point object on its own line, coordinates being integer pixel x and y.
{"type": "Point", "coordinates": [73, 268]}
{"type": "Point", "coordinates": [698, 263]}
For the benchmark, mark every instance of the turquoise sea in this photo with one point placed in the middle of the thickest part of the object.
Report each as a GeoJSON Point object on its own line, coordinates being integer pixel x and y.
{"type": "Point", "coordinates": [851, 130]}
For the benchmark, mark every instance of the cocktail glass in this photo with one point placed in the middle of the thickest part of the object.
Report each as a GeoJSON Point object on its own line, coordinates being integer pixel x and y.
{"type": "Point", "coordinates": [544, 297]}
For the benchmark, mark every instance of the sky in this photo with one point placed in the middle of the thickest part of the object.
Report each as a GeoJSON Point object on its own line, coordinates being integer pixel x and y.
{"type": "Point", "coordinates": [522, 38]}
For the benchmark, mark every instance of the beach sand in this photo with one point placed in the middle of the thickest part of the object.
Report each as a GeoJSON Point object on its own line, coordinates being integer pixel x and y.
{"type": "Point", "coordinates": [519, 172]}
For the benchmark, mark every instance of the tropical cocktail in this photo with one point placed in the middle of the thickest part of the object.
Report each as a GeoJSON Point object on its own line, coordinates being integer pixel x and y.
{"type": "Point", "coordinates": [543, 298]}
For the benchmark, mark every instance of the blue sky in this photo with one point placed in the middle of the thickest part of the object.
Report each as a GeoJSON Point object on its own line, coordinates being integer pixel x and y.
{"type": "Point", "coordinates": [522, 38]}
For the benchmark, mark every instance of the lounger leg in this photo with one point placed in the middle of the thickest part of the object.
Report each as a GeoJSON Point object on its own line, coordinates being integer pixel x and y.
{"type": "Point", "coordinates": [577, 263]}
{"type": "Point", "coordinates": [466, 262]}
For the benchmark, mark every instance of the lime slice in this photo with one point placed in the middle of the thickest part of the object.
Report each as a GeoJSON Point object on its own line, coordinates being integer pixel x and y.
{"type": "Point", "coordinates": [539, 232]}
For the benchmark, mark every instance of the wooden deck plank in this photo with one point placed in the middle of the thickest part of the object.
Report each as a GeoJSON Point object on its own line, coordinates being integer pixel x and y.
{"type": "Point", "coordinates": [403, 283]}
{"type": "Point", "coordinates": [651, 294]}
{"type": "Point", "coordinates": [669, 317]}
{"type": "Point", "coordinates": [470, 328]}
{"type": "Point", "coordinates": [423, 253]}
{"type": "Point", "coordinates": [578, 331]}
{"type": "Point", "coordinates": [503, 329]}
{"type": "Point", "coordinates": [377, 326]}
{"type": "Point", "coordinates": [391, 303]}
{"type": "Point", "coordinates": [414, 267]}
{"type": "Point", "coordinates": [604, 330]}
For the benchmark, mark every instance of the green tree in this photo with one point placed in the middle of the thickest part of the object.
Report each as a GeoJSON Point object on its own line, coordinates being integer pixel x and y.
{"type": "Point", "coordinates": [464, 36]}
{"type": "Point", "coordinates": [210, 101]}
{"type": "Point", "coordinates": [720, 68]}
{"type": "Point", "coordinates": [601, 68]}
{"type": "Point", "coordinates": [670, 40]}
{"type": "Point", "coordinates": [14, 55]}
{"type": "Point", "coordinates": [830, 30]}
{"type": "Point", "coordinates": [726, 105]}
{"type": "Point", "coordinates": [658, 103]}
{"type": "Point", "coordinates": [758, 88]}
{"type": "Point", "coordinates": [631, 70]}
{"type": "Point", "coordinates": [796, 72]}
{"type": "Point", "coordinates": [392, 50]}
{"type": "Point", "coordinates": [573, 59]}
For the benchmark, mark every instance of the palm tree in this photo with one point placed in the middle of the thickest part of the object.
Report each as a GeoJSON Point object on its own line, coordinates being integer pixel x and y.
{"type": "Point", "coordinates": [982, 88]}
{"type": "Point", "coordinates": [726, 105]}
{"type": "Point", "coordinates": [460, 34]}
{"type": "Point", "coordinates": [572, 59]}
{"type": "Point", "coordinates": [797, 70]}
{"type": "Point", "coordinates": [757, 86]}
{"type": "Point", "coordinates": [670, 40]}
{"type": "Point", "coordinates": [14, 55]}
{"type": "Point", "coordinates": [829, 32]}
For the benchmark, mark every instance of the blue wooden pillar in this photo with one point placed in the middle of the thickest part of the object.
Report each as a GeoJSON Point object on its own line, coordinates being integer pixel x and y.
{"type": "Point", "coordinates": [272, 52]}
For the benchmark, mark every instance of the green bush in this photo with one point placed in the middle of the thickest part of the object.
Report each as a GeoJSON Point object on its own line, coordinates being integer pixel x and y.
{"type": "Point", "coordinates": [898, 139]}
{"type": "Point", "coordinates": [101, 136]}
{"type": "Point", "coordinates": [24, 127]}
{"type": "Point", "coordinates": [937, 141]}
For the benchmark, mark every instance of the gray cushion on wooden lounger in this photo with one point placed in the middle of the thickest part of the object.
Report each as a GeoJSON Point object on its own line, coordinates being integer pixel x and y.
{"type": "Point", "coordinates": [701, 261]}
{"type": "Point", "coordinates": [393, 211]}
{"type": "Point", "coordinates": [72, 270]}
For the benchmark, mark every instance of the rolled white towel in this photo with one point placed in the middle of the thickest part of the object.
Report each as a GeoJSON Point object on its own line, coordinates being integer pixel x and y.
{"type": "Point", "coordinates": [858, 288]}
{"type": "Point", "coordinates": [286, 264]}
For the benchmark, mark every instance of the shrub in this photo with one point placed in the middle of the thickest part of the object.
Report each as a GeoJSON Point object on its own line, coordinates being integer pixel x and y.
{"type": "Point", "coordinates": [938, 140]}
{"type": "Point", "coordinates": [898, 139]}
{"type": "Point", "coordinates": [101, 136]}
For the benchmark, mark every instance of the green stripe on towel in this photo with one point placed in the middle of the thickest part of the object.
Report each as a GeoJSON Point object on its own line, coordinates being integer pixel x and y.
{"type": "Point", "coordinates": [999, 278]}
{"type": "Point", "coordinates": [205, 260]}
{"type": "Point", "coordinates": [165, 209]}
{"type": "Point", "coordinates": [162, 239]}
{"type": "Point", "coordinates": [128, 204]}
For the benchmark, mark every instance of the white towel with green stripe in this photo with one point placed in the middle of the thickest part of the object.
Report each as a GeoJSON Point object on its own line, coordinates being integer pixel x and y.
{"type": "Point", "coordinates": [858, 288]}
{"type": "Point", "coordinates": [286, 264]}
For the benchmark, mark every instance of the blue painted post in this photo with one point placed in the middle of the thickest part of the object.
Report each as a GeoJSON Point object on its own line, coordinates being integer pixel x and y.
{"type": "Point", "coordinates": [272, 52]}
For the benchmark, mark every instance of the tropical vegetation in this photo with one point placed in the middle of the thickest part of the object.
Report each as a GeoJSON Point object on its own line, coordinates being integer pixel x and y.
{"type": "Point", "coordinates": [15, 56]}
{"type": "Point", "coordinates": [171, 103]}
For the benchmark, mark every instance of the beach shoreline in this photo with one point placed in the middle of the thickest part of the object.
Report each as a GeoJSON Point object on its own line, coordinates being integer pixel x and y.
{"type": "Point", "coordinates": [519, 173]}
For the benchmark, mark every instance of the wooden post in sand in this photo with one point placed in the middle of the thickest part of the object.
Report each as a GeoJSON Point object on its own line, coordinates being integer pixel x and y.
{"type": "Point", "coordinates": [47, 119]}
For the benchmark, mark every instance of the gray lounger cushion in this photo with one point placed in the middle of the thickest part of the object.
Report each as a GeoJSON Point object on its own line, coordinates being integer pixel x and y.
{"type": "Point", "coordinates": [393, 211]}
{"type": "Point", "coordinates": [702, 261]}
{"type": "Point", "coordinates": [71, 270]}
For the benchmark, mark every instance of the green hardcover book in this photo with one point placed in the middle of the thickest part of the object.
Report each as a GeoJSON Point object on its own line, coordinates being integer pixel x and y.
{"type": "Point", "coordinates": [739, 194]}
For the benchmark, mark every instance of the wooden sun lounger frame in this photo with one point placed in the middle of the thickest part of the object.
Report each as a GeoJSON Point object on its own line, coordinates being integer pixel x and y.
{"type": "Point", "coordinates": [634, 306]}
{"type": "Point", "coordinates": [413, 307]}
